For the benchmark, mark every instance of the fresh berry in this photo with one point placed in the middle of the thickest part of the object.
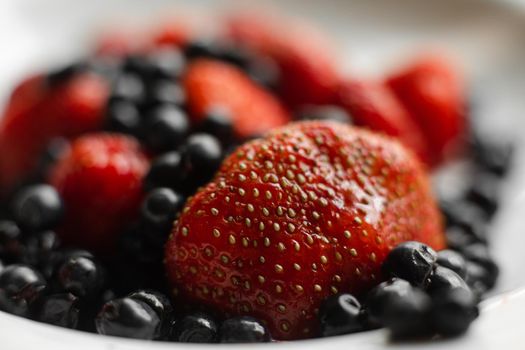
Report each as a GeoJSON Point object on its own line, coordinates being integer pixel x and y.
{"type": "Point", "coordinates": [165, 171]}
{"type": "Point", "coordinates": [123, 116]}
{"type": "Point", "coordinates": [129, 87]}
{"type": "Point", "coordinates": [452, 260]}
{"type": "Point", "coordinates": [212, 84]}
{"type": "Point", "coordinates": [453, 310]}
{"type": "Point", "coordinates": [100, 181]}
{"type": "Point", "coordinates": [218, 123]}
{"type": "Point", "coordinates": [37, 113]}
{"type": "Point", "coordinates": [493, 156]}
{"type": "Point", "coordinates": [373, 105]}
{"type": "Point", "coordinates": [485, 192]}
{"type": "Point", "coordinates": [479, 254]}
{"type": "Point", "coordinates": [165, 128]}
{"type": "Point", "coordinates": [161, 206]}
{"type": "Point", "coordinates": [293, 217]}
{"type": "Point", "coordinates": [128, 318]}
{"type": "Point", "coordinates": [445, 278]}
{"type": "Point", "coordinates": [201, 157]}
{"type": "Point", "coordinates": [60, 310]}
{"type": "Point", "coordinates": [160, 304]}
{"type": "Point", "coordinates": [340, 314]}
{"type": "Point", "coordinates": [165, 92]}
{"type": "Point", "coordinates": [38, 207]}
{"type": "Point", "coordinates": [195, 328]}
{"type": "Point", "coordinates": [308, 73]}
{"type": "Point", "coordinates": [20, 287]}
{"type": "Point", "coordinates": [11, 246]}
{"type": "Point", "coordinates": [433, 91]}
{"type": "Point", "coordinates": [243, 330]}
{"type": "Point", "coordinates": [81, 276]}
{"type": "Point", "coordinates": [40, 250]}
{"type": "Point", "coordinates": [411, 261]}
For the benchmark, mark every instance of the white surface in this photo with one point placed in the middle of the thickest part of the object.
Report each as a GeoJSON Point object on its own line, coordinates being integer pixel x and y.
{"type": "Point", "coordinates": [487, 37]}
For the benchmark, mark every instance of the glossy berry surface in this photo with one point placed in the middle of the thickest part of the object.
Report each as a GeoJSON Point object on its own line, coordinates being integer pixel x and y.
{"type": "Point", "coordinates": [128, 318]}
{"type": "Point", "coordinates": [195, 328]}
{"type": "Point", "coordinates": [452, 260]}
{"type": "Point", "coordinates": [161, 206]}
{"type": "Point", "coordinates": [444, 278]}
{"type": "Point", "coordinates": [201, 157]}
{"type": "Point", "coordinates": [340, 314]}
{"type": "Point", "coordinates": [20, 286]}
{"type": "Point", "coordinates": [243, 330]}
{"type": "Point", "coordinates": [81, 276]}
{"type": "Point", "coordinates": [166, 171]}
{"type": "Point", "coordinates": [453, 311]}
{"type": "Point", "coordinates": [165, 128]}
{"type": "Point", "coordinates": [60, 310]}
{"type": "Point", "coordinates": [411, 261]}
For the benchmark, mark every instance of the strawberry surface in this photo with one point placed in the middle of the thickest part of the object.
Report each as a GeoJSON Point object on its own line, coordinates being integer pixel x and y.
{"type": "Point", "coordinates": [211, 84]}
{"type": "Point", "coordinates": [100, 181]}
{"type": "Point", "coordinates": [308, 211]}
{"type": "Point", "coordinates": [433, 91]}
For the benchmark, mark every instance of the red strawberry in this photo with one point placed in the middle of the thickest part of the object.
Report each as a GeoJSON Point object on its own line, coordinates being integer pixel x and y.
{"type": "Point", "coordinates": [210, 84]}
{"type": "Point", "coordinates": [373, 105]}
{"type": "Point", "coordinates": [37, 112]}
{"type": "Point", "coordinates": [100, 181]}
{"type": "Point", "coordinates": [310, 210]}
{"type": "Point", "coordinates": [433, 91]}
{"type": "Point", "coordinates": [306, 61]}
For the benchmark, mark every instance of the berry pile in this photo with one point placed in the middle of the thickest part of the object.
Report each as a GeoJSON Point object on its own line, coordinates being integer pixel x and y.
{"type": "Point", "coordinates": [153, 191]}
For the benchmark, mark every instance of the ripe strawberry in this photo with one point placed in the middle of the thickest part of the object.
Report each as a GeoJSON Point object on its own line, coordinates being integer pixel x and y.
{"type": "Point", "coordinates": [433, 91]}
{"type": "Point", "coordinates": [253, 110]}
{"type": "Point", "coordinates": [310, 210]}
{"type": "Point", "coordinates": [100, 181]}
{"type": "Point", "coordinates": [306, 61]}
{"type": "Point", "coordinates": [373, 105]}
{"type": "Point", "coordinates": [38, 112]}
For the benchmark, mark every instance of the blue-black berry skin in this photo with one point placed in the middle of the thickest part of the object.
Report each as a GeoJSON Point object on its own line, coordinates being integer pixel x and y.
{"type": "Point", "coordinates": [166, 171]}
{"type": "Point", "coordinates": [161, 206]}
{"type": "Point", "coordinates": [11, 246]}
{"type": "Point", "coordinates": [128, 318]}
{"type": "Point", "coordinates": [219, 124]}
{"type": "Point", "coordinates": [81, 276]}
{"type": "Point", "coordinates": [201, 157]}
{"type": "Point", "coordinates": [195, 328]}
{"type": "Point", "coordinates": [165, 128]}
{"type": "Point", "coordinates": [453, 260]}
{"type": "Point", "coordinates": [123, 116]}
{"type": "Point", "coordinates": [160, 303]}
{"type": "Point", "coordinates": [59, 310]}
{"type": "Point", "coordinates": [243, 330]}
{"type": "Point", "coordinates": [38, 207]}
{"type": "Point", "coordinates": [340, 314]}
{"type": "Point", "coordinates": [411, 261]}
{"type": "Point", "coordinates": [453, 311]}
{"type": "Point", "coordinates": [20, 287]}
{"type": "Point", "coordinates": [444, 278]}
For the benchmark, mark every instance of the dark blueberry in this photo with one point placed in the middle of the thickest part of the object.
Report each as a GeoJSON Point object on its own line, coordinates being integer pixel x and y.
{"type": "Point", "coordinates": [218, 123]}
{"type": "Point", "coordinates": [493, 156]}
{"type": "Point", "coordinates": [20, 287]}
{"type": "Point", "coordinates": [128, 87]}
{"type": "Point", "coordinates": [243, 330]}
{"type": "Point", "coordinates": [399, 306]}
{"type": "Point", "coordinates": [138, 65]}
{"type": "Point", "coordinates": [485, 193]}
{"type": "Point", "coordinates": [195, 328]}
{"type": "Point", "coordinates": [81, 276]}
{"type": "Point", "coordinates": [160, 303]}
{"type": "Point", "coordinates": [453, 310]}
{"type": "Point", "coordinates": [462, 213]}
{"type": "Point", "coordinates": [340, 314]}
{"type": "Point", "coordinates": [265, 72]}
{"type": "Point", "coordinates": [165, 92]}
{"type": "Point", "coordinates": [203, 48]}
{"type": "Point", "coordinates": [166, 63]}
{"type": "Point", "coordinates": [161, 206]}
{"type": "Point", "coordinates": [38, 207]}
{"type": "Point", "coordinates": [59, 310]}
{"type": "Point", "coordinates": [459, 237]}
{"type": "Point", "coordinates": [326, 113]}
{"type": "Point", "coordinates": [165, 128]}
{"type": "Point", "coordinates": [40, 251]}
{"type": "Point", "coordinates": [2, 266]}
{"type": "Point", "coordinates": [411, 261]}
{"type": "Point", "coordinates": [65, 73]}
{"type": "Point", "coordinates": [165, 171]}
{"type": "Point", "coordinates": [123, 116]}
{"type": "Point", "coordinates": [128, 318]}
{"type": "Point", "coordinates": [10, 241]}
{"type": "Point", "coordinates": [56, 148]}
{"type": "Point", "coordinates": [479, 279]}
{"type": "Point", "coordinates": [445, 278]}
{"type": "Point", "coordinates": [479, 253]}
{"type": "Point", "coordinates": [236, 55]}
{"type": "Point", "coordinates": [452, 260]}
{"type": "Point", "coordinates": [201, 157]}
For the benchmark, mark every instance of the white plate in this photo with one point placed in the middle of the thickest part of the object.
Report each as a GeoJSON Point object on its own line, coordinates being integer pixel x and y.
{"type": "Point", "coordinates": [487, 37]}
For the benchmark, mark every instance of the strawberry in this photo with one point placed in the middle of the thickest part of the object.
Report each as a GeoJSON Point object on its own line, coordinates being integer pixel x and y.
{"type": "Point", "coordinates": [433, 91]}
{"type": "Point", "coordinates": [305, 58]}
{"type": "Point", "coordinates": [372, 104]}
{"type": "Point", "coordinates": [211, 84]}
{"type": "Point", "coordinates": [309, 210]}
{"type": "Point", "coordinates": [100, 181]}
{"type": "Point", "coordinates": [38, 112]}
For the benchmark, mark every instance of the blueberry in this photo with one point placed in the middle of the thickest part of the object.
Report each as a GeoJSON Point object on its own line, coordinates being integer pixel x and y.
{"type": "Point", "coordinates": [165, 128]}
{"type": "Point", "coordinates": [479, 253]}
{"type": "Point", "coordinates": [195, 328]}
{"type": "Point", "coordinates": [38, 207]}
{"type": "Point", "coordinates": [452, 260]}
{"type": "Point", "coordinates": [399, 306]}
{"type": "Point", "coordinates": [165, 92]}
{"type": "Point", "coordinates": [128, 318]}
{"type": "Point", "coordinates": [201, 157]}
{"type": "Point", "coordinates": [136, 64]}
{"type": "Point", "coordinates": [40, 251]}
{"type": "Point", "coordinates": [479, 279]}
{"type": "Point", "coordinates": [11, 246]}
{"type": "Point", "coordinates": [123, 116]}
{"type": "Point", "coordinates": [218, 123]}
{"type": "Point", "coordinates": [445, 278]}
{"type": "Point", "coordinates": [326, 113]}
{"type": "Point", "coordinates": [59, 310]}
{"type": "Point", "coordinates": [265, 72]}
{"type": "Point", "coordinates": [459, 237]}
{"type": "Point", "coordinates": [340, 314]}
{"type": "Point", "coordinates": [493, 156]}
{"type": "Point", "coordinates": [81, 276]}
{"type": "Point", "coordinates": [161, 206]}
{"type": "Point", "coordinates": [2, 266]}
{"type": "Point", "coordinates": [65, 73]}
{"type": "Point", "coordinates": [411, 261]}
{"type": "Point", "coordinates": [128, 87]}
{"type": "Point", "coordinates": [165, 171]}
{"type": "Point", "coordinates": [203, 48]}
{"type": "Point", "coordinates": [243, 330]}
{"type": "Point", "coordinates": [56, 148]}
{"type": "Point", "coordinates": [20, 287]}
{"type": "Point", "coordinates": [463, 213]}
{"type": "Point", "coordinates": [160, 303]}
{"type": "Point", "coordinates": [166, 63]}
{"type": "Point", "coordinates": [453, 310]}
{"type": "Point", "coordinates": [485, 193]}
